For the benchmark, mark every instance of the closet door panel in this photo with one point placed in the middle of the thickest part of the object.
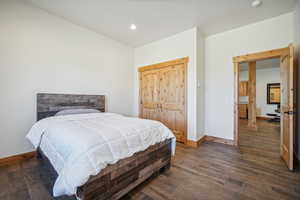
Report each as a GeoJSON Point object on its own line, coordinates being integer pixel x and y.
{"type": "Point", "coordinates": [172, 99]}
{"type": "Point", "coordinates": [149, 94]}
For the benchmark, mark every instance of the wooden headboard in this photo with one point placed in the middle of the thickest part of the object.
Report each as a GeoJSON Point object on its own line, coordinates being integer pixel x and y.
{"type": "Point", "coordinates": [49, 104]}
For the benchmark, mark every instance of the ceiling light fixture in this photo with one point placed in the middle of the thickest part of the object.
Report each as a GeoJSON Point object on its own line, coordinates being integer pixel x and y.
{"type": "Point", "coordinates": [256, 3]}
{"type": "Point", "coordinates": [133, 27]}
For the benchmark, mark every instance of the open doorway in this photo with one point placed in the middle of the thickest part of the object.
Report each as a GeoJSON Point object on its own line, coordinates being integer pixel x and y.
{"type": "Point", "coordinates": [265, 103]}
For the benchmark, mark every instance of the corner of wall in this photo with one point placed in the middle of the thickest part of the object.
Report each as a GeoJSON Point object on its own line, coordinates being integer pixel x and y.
{"type": "Point", "coordinates": [200, 82]}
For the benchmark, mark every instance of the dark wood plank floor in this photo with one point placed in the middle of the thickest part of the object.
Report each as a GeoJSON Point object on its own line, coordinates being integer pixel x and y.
{"type": "Point", "coordinates": [212, 171]}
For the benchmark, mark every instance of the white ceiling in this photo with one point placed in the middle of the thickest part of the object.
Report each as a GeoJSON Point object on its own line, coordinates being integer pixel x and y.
{"type": "Point", "coordinates": [156, 19]}
{"type": "Point", "coordinates": [263, 64]}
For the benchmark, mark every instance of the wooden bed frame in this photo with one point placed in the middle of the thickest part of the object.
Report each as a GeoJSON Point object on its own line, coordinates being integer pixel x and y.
{"type": "Point", "coordinates": [115, 180]}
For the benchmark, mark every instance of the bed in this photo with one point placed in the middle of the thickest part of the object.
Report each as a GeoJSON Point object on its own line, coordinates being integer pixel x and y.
{"type": "Point", "coordinates": [97, 155]}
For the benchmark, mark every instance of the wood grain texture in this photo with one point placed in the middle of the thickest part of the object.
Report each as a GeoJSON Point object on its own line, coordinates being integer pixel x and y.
{"type": "Point", "coordinates": [236, 102]}
{"type": "Point", "coordinates": [243, 88]}
{"type": "Point", "coordinates": [263, 118]}
{"type": "Point", "coordinates": [184, 60]}
{"type": "Point", "coordinates": [173, 100]}
{"type": "Point", "coordinates": [17, 158]}
{"type": "Point", "coordinates": [288, 106]}
{"type": "Point", "coordinates": [149, 95]}
{"type": "Point", "coordinates": [116, 180]}
{"type": "Point", "coordinates": [163, 96]}
{"type": "Point", "coordinates": [219, 140]}
{"type": "Point", "coordinates": [275, 53]}
{"type": "Point", "coordinates": [196, 144]}
{"type": "Point", "coordinates": [252, 95]}
{"type": "Point", "coordinates": [243, 111]}
{"type": "Point", "coordinates": [213, 171]}
{"type": "Point", "coordinates": [205, 138]}
{"type": "Point", "coordinates": [49, 104]}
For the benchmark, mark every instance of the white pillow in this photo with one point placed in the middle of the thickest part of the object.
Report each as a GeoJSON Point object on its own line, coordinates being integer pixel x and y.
{"type": "Point", "coordinates": [76, 111]}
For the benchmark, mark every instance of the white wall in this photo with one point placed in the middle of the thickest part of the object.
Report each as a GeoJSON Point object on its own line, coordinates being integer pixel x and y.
{"type": "Point", "coordinates": [177, 46]}
{"type": "Point", "coordinates": [263, 77]}
{"type": "Point", "coordinates": [43, 53]}
{"type": "Point", "coordinates": [297, 45]}
{"type": "Point", "coordinates": [219, 51]}
{"type": "Point", "coordinates": [200, 85]}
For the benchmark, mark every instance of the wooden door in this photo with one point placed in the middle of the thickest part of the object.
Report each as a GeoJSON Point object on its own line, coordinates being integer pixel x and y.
{"type": "Point", "coordinates": [288, 108]}
{"type": "Point", "coordinates": [149, 95]}
{"type": "Point", "coordinates": [163, 95]}
{"type": "Point", "coordinates": [172, 99]}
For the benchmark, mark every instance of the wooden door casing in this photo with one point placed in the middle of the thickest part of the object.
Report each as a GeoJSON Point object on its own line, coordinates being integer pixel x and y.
{"type": "Point", "coordinates": [243, 111]}
{"type": "Point", "coordinates": [288, 95]}
{"type": "Point", "coordinates": [163, 95]}
{"type": "Point", "coordinates": [252, 95]}
{"type": "Point", "coordinates": [243, 88]}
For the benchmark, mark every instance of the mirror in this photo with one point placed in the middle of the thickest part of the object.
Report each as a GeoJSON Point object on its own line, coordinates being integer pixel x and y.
{"type": "Point", "coordinates": [273, 93]}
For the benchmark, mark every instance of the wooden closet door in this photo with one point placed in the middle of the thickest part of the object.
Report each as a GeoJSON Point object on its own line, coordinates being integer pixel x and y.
{"type": "Point", "coordinates": [149, 95]}
{"type": "Point", "coordinates": [172, 99]}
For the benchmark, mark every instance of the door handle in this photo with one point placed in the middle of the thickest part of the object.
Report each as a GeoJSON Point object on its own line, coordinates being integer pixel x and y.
{"type": "Point", "coordinates": [290, 112]}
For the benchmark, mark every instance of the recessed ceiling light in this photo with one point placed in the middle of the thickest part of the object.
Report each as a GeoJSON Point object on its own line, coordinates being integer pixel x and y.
{"type": "Point", "coordinates": [133, 27]}
{"type": "Point", "coordinates": [256, 3]}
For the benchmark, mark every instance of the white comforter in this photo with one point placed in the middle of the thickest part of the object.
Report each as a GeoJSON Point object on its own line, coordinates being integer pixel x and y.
{"type": "Point", "coordinates": [79, 146]}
